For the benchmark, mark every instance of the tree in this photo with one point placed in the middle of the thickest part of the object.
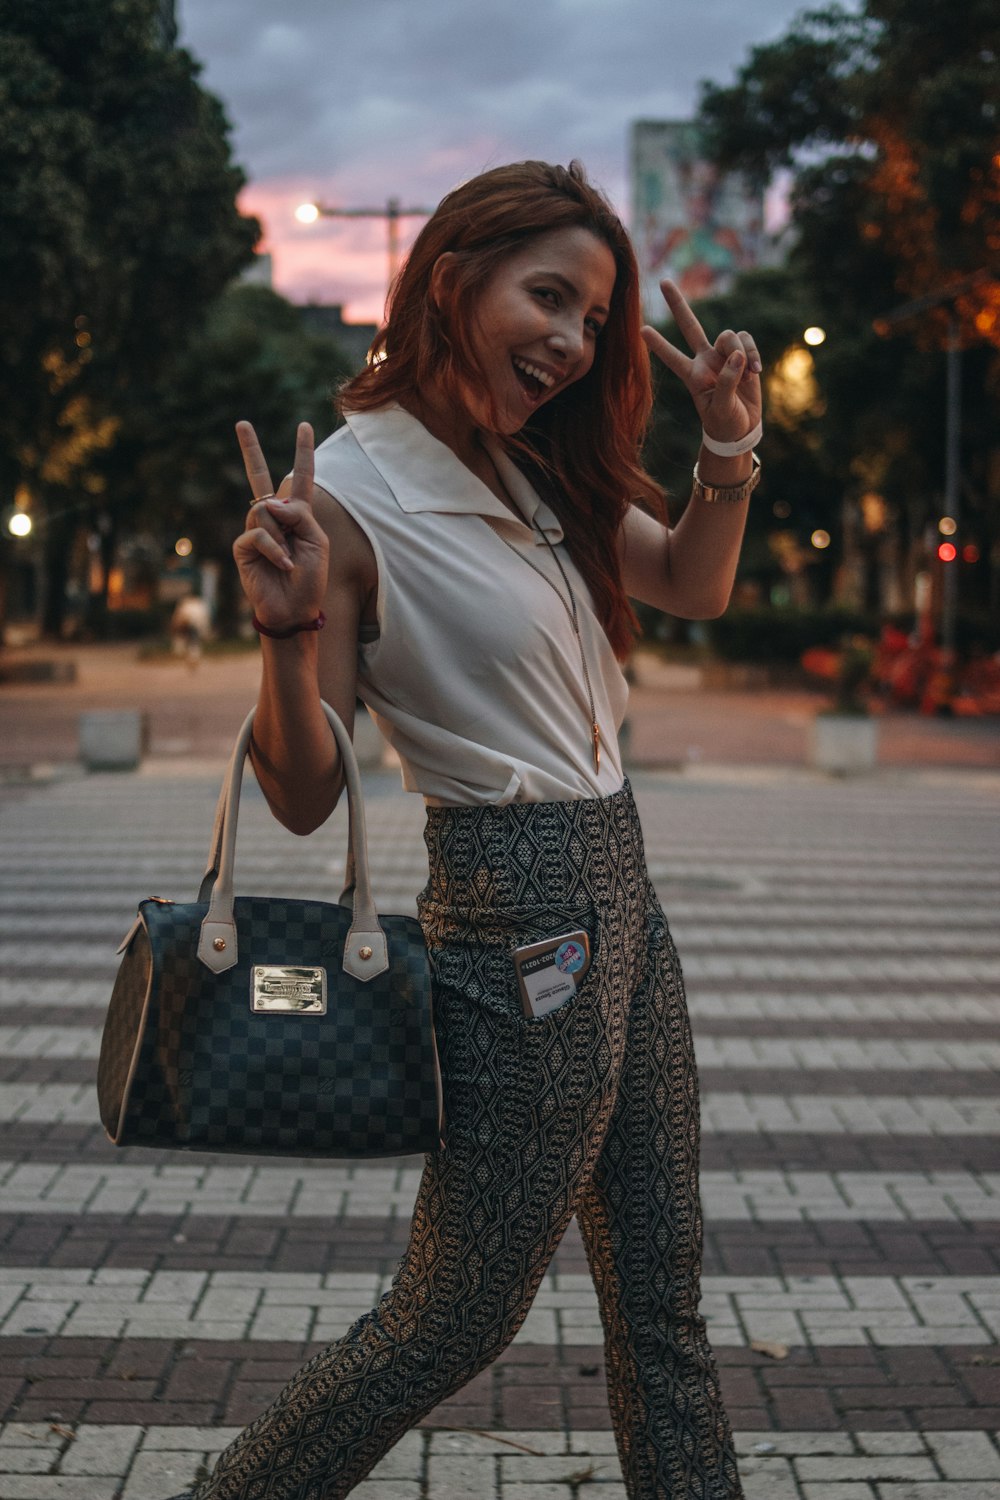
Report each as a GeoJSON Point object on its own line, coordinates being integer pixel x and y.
{"type": "Point", "coordinates": [118, 228]}
{"type": "Point", "coordinates": [177, 457]}
{"type": "Point", "coordinates": [888, 119]}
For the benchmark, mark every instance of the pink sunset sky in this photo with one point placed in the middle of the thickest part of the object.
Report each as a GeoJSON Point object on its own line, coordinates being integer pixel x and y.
{"type": "Point", "coordinates": [355, 103]}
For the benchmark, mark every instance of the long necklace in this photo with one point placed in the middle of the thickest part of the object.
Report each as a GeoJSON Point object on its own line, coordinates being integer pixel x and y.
{"type": "Point", "coordinates": [570, 607]}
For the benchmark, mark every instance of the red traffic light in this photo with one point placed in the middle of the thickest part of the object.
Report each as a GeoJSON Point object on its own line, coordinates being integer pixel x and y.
{"type": "Point", "coordinates": [947, 551]}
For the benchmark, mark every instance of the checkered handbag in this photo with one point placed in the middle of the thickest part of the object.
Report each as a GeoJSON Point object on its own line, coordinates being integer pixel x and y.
{"type": "Point", "coordinates": [272, 1026]}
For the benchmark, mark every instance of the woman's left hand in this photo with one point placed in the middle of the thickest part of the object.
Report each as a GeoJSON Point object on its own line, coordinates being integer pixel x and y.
{"type": "Point", "coordinates": [723, 378]}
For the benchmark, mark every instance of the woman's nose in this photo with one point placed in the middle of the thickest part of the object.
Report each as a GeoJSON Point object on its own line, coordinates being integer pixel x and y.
{"type": "Point", "coordinates": [567, 340]}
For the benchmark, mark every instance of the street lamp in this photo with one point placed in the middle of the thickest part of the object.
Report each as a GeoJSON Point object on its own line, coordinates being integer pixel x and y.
{"type": "Point", "coordinates": [308, 213]}
{"type": "Point", "coordinates": [815, 336]}
{"type": "Point", "coordinates": [19, 524]}
{"type": "Point", "coordinates": [953, 422]}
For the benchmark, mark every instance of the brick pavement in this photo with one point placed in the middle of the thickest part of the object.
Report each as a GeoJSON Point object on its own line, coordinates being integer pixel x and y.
{"type": "Point", "coordinates": [842, 959]}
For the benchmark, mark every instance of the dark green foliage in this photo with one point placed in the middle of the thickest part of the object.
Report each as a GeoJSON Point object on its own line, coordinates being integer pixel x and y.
{"type": "Point", "coordinates": [117, 191]}
{"type": "Point", "coordinates": [118, 228]}
{"type": "Point", "coordinates": [890, 121]}
{"type": "Point", "coordinates": [782, 635]}
{"type": "Point", "coordinates": [251, 360]}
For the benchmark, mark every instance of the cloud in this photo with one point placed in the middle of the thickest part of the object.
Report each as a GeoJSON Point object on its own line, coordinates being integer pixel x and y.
{"type": "Point", "coordinates": [354, 101]}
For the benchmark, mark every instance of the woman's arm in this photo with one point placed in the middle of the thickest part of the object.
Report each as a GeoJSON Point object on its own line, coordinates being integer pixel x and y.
{"type": "Point", "coordinates": [301, 553]}
{"type": "Point", "coordinates": [689, 570]}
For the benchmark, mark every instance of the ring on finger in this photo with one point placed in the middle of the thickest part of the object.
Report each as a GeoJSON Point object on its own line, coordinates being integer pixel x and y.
{"type": "Point", "coordinates": [258, 498]}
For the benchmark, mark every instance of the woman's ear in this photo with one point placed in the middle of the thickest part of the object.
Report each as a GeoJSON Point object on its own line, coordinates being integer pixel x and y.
{"type": "Point", "coordinates": [442, 280]}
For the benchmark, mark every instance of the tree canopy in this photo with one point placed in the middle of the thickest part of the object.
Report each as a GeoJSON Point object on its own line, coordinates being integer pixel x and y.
{"type": "Point", "coordinates": [888, 118]}
{"type": "Point", "coordinates": [118, 228]}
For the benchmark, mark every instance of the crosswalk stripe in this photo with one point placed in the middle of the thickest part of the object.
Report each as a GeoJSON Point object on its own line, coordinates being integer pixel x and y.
{"type": "Point", "coordinates": [732, 1052]}
{"type": "Point", "coordinates": [362, 1190]}
{"type": "Point", "coordinates": [447, 1462]}
{"type": "Point", "coordinates": [798, 1113]}
{"type": "Point", "coordinates": [693, 939]}
{"type": "Point", "coordinates": [90, 958]}
{"type": "Point", "coordinates": [829, 1114]}
{"type": "Point", "coordinates": [824, 1006]}
{"type": "Point", "coordinates": [192, 1304]}
{"type": "Point", "coordinates": [817, 1004]}
{"type": "Point", "coordinates": [726, 875]}
{"type": "Point", "coordinates": [116, 902]}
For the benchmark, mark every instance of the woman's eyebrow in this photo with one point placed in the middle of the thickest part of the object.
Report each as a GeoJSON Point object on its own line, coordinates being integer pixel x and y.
{"type": "Point", "coordinates": [570, 287]}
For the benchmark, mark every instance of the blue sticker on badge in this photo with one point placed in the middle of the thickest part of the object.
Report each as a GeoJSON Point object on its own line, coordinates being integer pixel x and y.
{"type": "Point", "coordinates": [570, 958]}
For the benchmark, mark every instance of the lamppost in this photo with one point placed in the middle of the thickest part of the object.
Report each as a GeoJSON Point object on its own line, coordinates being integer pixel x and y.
{"type": "Point", "coordinates": [953, 422]}
{"type": "Point", "coordinates": [308, 213]}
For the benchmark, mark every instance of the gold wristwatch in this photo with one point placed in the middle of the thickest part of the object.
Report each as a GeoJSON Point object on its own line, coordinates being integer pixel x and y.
{"type": "Point", "coordinates": [731, 492]}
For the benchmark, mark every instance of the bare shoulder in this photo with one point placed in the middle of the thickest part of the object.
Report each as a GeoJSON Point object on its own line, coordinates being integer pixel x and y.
{"type": "Point", "coordinates": [351, 555]}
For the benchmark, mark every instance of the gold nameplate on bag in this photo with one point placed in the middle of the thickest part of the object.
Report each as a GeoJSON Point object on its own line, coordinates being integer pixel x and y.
{"type": "Point", "coordinates": [280, 989]}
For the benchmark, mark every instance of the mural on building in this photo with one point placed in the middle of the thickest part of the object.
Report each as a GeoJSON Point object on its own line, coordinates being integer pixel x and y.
{"type": "Point", "coordinates": [690, 221]}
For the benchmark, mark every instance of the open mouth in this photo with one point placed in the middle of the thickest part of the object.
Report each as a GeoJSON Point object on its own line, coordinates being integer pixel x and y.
{"type": "Point", "coordinates": [534, 382]}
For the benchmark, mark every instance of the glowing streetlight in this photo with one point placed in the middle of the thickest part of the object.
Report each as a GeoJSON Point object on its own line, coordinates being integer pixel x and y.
{"type": "Point", "coordinates": [183, 546]}
{"type": "Point", "coordinates": [820, 540]}
{"type": "Point", "coordinates": [947, 526]}
{"type": "Point", "coordinates": [815, 336]}
{"type": "Point", "coordinates": [19, 524]}
{"type": "Point", "coordinates": [308, 213]}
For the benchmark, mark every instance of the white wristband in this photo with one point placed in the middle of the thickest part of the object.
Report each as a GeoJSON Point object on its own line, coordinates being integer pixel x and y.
{"type": "Point", "coordinates": [733, 450]}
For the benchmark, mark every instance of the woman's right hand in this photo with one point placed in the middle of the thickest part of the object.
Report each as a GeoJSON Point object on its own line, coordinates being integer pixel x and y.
{"type": "Point", "coordinates": [283, 553]}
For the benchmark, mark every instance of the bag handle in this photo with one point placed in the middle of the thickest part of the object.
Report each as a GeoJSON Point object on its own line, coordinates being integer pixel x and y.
{"type": "Point", "coordinates": [215, 854]}
{"type": "Point", "coordinates": [366, 952]}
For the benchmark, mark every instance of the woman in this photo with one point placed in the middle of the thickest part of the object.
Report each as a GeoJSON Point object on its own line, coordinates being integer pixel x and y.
{"type": "Point", "coordinates": [469, 541]}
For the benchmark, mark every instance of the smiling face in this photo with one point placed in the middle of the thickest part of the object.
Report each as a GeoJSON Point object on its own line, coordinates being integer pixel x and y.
{"type": "Point", "coordinates": [538, 323]}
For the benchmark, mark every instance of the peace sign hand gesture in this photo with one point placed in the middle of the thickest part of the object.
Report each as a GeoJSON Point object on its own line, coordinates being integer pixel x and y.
{"type": "Point", "coordinates": [723, 378]}
{"type": "Point", "coordinates": [283, 553]}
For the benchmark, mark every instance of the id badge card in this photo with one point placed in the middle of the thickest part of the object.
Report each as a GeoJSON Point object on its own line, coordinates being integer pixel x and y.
{"type": "Point", "coordinates": [549, 972]}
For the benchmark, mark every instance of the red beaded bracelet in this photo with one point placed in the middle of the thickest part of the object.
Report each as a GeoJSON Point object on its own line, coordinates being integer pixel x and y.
{"type": "Point", "coordinates": [284, 635]}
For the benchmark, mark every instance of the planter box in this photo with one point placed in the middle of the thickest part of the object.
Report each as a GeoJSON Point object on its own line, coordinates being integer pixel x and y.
{"type": "Point", "coordinates": [112, 741]}
{"type": "Point", "coordinates": [844, 744]}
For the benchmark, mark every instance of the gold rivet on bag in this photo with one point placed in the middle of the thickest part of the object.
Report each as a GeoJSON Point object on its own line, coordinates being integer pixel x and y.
{"type": "Point", "coordinates": [219, 944]}
{"type": "Point", "coordinates": [364, 953]}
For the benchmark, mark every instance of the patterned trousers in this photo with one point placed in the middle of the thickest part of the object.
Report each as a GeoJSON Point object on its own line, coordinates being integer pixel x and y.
{"type": "Point", "coordinates": [591, 1110]}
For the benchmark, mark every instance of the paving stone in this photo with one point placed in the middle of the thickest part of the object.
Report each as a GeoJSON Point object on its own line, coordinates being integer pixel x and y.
{"type": "Point", "coordinates": [965, 1455]}
{"type": "Point", "coordinates": [867, 1468]}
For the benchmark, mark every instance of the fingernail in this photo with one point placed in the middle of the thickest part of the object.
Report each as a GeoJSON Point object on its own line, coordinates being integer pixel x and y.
{"type": "Point", "coordinates": [756, 366]}
{"type": "Point", "coordinates": [736, 361]}
{"type": "Point", "coordinates": [287, 564]}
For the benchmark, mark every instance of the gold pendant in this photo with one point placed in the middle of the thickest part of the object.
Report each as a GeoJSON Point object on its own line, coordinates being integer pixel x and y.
{"type": "Point", "coordinates": [596, 736]}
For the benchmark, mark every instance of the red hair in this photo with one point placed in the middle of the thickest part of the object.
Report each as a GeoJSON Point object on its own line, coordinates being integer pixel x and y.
{"type": "Point", "coordinates": [583, 446]}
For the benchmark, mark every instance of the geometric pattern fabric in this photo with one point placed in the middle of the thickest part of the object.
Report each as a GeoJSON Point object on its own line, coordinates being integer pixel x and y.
{"type": "Point", "coordinates": [591, 1110]}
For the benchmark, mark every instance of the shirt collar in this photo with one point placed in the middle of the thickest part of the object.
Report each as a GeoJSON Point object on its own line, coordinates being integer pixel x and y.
{"type": "Point", "coordinates": [425, 475]}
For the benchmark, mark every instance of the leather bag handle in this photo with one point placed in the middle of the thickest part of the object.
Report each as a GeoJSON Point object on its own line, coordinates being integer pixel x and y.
{"type": "Point", "coordinates": [366, 952]}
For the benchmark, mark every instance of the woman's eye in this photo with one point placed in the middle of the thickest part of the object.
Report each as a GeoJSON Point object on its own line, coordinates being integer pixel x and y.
{"type": "Point", "coordinates": [594, 326]}
{"type": "Point", "coordinates": [548, 292]}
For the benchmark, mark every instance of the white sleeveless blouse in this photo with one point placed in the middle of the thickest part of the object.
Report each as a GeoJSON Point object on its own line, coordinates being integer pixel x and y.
{"type": "Point", "coordinates": [475, 676]}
